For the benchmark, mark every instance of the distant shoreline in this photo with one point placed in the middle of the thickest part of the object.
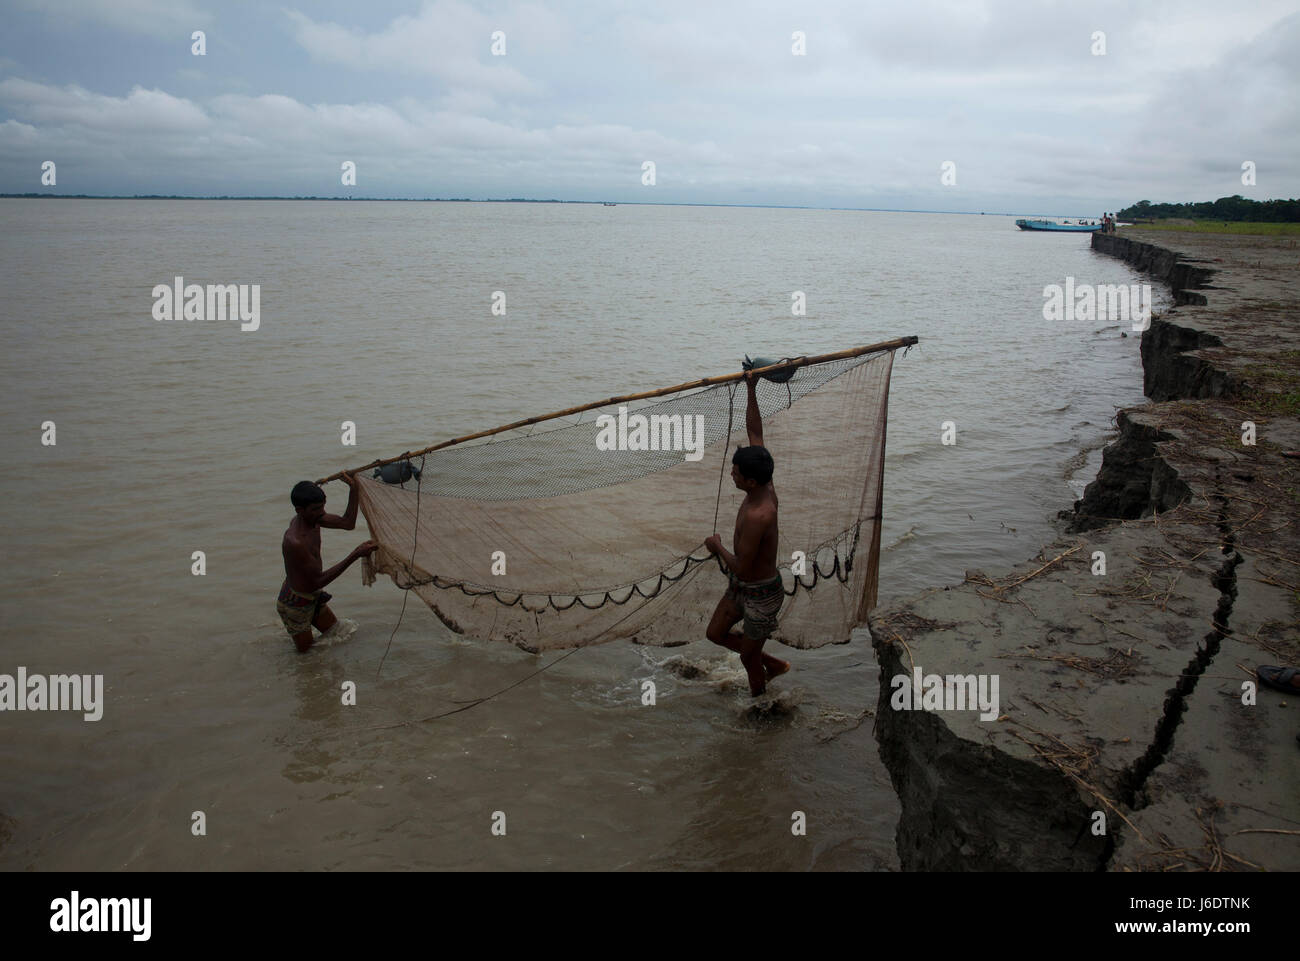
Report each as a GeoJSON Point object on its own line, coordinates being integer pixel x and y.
{"type": "Point", "coordinates": [524, 200]}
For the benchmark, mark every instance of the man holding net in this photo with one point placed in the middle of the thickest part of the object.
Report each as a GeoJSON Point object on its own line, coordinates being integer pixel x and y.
{"type": "Point", "coordinates": [303, 603]}
{"type": "Point", "coordinates": [754, 593]}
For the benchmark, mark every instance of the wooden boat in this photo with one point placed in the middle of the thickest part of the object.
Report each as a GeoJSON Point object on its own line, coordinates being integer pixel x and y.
{"type": "Point", "coordinates": [1081, 227]}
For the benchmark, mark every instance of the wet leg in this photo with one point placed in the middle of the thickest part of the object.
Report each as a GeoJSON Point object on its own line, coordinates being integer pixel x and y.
{"type": "Point", "coordinates": [725, 616]}
{"type": "Point", "coordinates": [752, 658]}
{"type": "Point", "coordinates": [324, 619]}
{"type": "Point", "coordinates": [774, 666]}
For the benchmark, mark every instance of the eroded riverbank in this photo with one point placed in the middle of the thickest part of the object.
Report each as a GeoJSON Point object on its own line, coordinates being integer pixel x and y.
{"type": "Point", "coordinates": [1122, 692]}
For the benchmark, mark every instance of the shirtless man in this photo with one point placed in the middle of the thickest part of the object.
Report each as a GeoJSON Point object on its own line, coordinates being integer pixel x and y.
{"type": "Point", "coordinates": [302, 603]}
{"type": "Point", "coordinates": [755, 592]}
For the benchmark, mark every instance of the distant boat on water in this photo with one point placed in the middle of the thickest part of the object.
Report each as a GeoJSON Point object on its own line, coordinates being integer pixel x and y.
{"type": "Point", "coordinates": [1084, 227]}
{"type": "Point", "coordinates": [608, 204]}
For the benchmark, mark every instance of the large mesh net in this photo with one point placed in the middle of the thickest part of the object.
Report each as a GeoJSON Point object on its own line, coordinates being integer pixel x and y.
{"type": "Point", "coordinates": [552, 539]}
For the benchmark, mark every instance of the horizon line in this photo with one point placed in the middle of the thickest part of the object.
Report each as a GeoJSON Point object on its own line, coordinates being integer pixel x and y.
{"type": "Point", "coordinates": [506, 200]}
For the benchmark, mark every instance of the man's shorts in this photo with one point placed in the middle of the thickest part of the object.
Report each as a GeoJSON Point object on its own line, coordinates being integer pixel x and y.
{"type": "Point", "coordinates": [759, 604]}
{"type": "Point", "coordinates": [298, 610]}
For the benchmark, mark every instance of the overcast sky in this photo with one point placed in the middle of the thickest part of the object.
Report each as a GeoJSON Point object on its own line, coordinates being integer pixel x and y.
{"type": "Point", "coordinates": [712, 93]}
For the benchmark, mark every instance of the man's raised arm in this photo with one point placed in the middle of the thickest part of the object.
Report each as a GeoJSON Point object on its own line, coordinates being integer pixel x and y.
{"type": "Point", "coordinates": [753, 419]}
{"type": "Point", "coordinates": [349, 518]}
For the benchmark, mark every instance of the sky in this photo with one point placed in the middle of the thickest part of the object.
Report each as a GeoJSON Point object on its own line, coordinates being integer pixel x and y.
{"type": "Point", "coordinates": [1024, 106]}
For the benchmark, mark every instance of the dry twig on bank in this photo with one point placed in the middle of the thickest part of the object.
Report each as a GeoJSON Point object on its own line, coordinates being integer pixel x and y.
{"type": "Point", "coordinates": [1076, 763]}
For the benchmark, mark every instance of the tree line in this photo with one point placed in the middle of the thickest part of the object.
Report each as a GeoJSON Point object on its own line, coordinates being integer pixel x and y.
{"type": "Point", "coordinates": [1231, 208]}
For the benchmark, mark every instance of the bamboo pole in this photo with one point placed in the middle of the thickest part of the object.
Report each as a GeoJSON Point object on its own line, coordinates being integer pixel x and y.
{"type": "Point", "coordinates": [793, 364]}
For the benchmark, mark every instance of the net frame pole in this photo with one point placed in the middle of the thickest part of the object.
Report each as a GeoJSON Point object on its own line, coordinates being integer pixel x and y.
{"type": "Point", "coordinates": [871, 583]}
{"type": "Point", "coordinates": [791, 365]}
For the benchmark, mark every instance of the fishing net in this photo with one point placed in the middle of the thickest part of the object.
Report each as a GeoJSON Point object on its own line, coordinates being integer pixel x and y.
{"type": "Point", "coordinates": [549, 539]}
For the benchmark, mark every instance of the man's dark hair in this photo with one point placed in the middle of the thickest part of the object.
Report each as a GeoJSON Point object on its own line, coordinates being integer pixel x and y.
{"type": "Point", "coordinates": [305, 493]}
{"type": "Point", "coordinates": [754, 463]}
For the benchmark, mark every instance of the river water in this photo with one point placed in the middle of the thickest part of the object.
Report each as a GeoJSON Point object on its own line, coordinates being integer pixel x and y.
{"type": "Point", "coordinates": [181, 436]}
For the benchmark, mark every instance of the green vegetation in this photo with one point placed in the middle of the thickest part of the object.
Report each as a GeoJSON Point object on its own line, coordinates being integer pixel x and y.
{"type": "Point", "coordinates": [1276, 385]}
{"type": "Point", "coordinates": [1232, 209]}
{"type": "Point", "coordinates": [1222, 227]}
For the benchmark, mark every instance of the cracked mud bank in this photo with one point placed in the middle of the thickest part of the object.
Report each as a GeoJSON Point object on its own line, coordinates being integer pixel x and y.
{"type": "Point", "coordinates": [1121, 693]}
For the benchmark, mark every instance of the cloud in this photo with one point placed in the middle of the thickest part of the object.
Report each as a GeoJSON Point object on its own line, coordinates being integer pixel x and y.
{"type": "Point", "coordinates": [272, 143]}
{"type": "Point", "coordinates": [139, 112]}
{"type": "Point", "coordinates": [1245, 106]}
{"type": "Point", "coordinates": [447, 40]}
{"type": "Point", "coordinates": [157, 18]}
{"type": "Point", "coordinates": [717, 101]}
{"type": "Point", "coordinates": [16, 136]}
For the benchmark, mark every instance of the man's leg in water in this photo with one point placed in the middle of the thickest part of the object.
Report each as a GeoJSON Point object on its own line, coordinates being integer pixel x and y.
{"type": "Point", "coordinates": [324, 619]}
{"type": "Point", "coordinates": [759, 666]}
{"type": "Point", "coordinates": [774, 666]}
{"type": "Point", "coordinates": [725, 616]}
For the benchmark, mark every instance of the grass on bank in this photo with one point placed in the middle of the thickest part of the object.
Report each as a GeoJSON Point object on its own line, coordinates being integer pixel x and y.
{"type": "Point", "coordinates": [1275, 385]}
{"type": "Point", "coordinates": [1222, 227]}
